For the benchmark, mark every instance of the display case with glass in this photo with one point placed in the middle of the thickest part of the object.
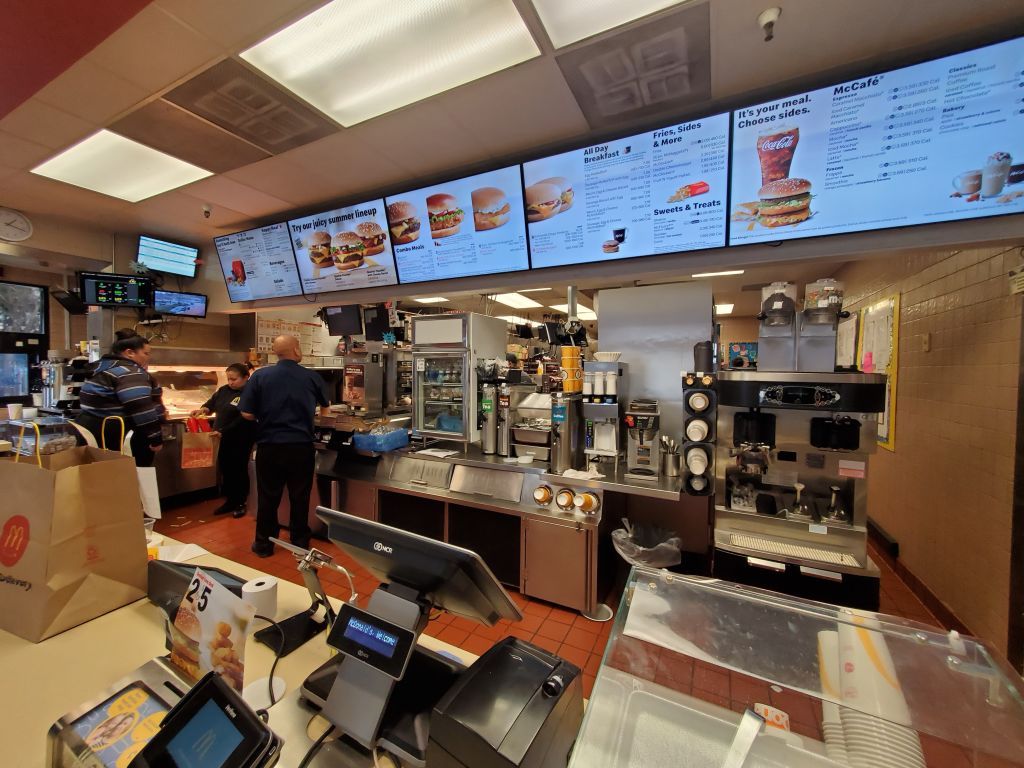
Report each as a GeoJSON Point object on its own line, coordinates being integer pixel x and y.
{"type": "Point", "coordinates": [186, 388]}
{"type": "Point", "coordinates": [441, 394]}
{"type": "Point", "coordinates": [701, 672]}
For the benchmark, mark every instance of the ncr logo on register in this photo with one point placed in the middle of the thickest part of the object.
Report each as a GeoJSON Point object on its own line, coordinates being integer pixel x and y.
{"type": "Point", "coordinates": [382, 548]}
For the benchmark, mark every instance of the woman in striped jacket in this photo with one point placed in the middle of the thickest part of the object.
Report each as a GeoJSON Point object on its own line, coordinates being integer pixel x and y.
{"type": "Point", "coordinates": [121, 386]}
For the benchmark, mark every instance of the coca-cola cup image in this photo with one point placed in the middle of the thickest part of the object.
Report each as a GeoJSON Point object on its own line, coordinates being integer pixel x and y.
{"type": "Point", "coordinates": [775, 151]}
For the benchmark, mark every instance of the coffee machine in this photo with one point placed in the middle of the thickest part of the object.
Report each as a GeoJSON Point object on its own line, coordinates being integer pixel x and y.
{"type": "Point", "coordinates": [566, 431]}
{"type": "Point", "coordinates": [643, 427]}
{"type": "Point", "coordinates": [790, 481]}
{"type": "Point", "coordinates": [488, 418]}
{"type": "Point", "coordinates": [602, 409]}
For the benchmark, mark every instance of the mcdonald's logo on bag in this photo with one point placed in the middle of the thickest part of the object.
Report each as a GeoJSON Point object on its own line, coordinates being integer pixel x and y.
{"type": "Point", "coordinates": [13, 540]}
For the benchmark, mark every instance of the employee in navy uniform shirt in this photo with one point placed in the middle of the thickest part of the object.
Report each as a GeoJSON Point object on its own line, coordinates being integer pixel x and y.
{"type": "Point", "coordinates": [282, 399]}
{"type": "Point", "coordinates": [237, 436]}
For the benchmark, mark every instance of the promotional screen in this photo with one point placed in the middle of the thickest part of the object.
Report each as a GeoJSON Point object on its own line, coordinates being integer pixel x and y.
{"type": "Point", "coordinates": [259, 263]}
{"type": "Point", "coordinates": [658, 192]}
{"type": "Point", "coordinates": [471, 226]}
{"type": "Point", "coordinates": [162, 256]}
{"type": "Point", "coordinates": [938, 141]}
{"type": "Point", "coordinates": [345, 248]}
{"type": "Point", "coordinates": [182, 304]}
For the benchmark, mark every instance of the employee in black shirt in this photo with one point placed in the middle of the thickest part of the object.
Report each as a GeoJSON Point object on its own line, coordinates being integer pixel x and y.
{"type": "Point", "coordinates": [282, 399]}
{"type": "Point", "coordinates": [237, 436]}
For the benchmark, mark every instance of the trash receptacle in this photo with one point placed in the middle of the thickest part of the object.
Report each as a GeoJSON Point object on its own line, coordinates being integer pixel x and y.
{"type": "Point", "coordinates": [647, 545]}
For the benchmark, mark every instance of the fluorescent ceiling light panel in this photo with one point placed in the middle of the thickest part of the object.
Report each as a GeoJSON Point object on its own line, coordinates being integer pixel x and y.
{"type": "Point", "coordinates": [357, 59]}
{"type": "Point", "coordinates": [517, 320]}
{"type": "Point", "coordinates": [581, 312]}
{"type": "Point", "coordinates": [109, 163]}
{"type": "Point", "coordinates": [567, 21]}
{"type": "Point", "coordinates": [533, 290]}
{"type": "Point", "coordinates": [719, 274]}
{"type": "Point", "coordinates": [515, 301]}
{"type": "Point", "coordinates": [724, 309]}
{"type": "Point", "coordinates": [432, 300]}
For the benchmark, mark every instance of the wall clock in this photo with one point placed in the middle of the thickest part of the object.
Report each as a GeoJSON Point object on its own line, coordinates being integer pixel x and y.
{"type": "Point", "coordinates": [14, 226]}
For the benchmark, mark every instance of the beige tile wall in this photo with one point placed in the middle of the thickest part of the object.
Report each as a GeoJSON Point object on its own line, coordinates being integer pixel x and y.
{"type": "Point", "coordinates": [946, 491]}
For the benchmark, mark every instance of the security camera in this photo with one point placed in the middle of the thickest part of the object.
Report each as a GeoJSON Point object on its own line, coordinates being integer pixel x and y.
{"type": "Point", "coordinates": [206, 212]}
{"type": "Point", "coordinates": [767, 21]}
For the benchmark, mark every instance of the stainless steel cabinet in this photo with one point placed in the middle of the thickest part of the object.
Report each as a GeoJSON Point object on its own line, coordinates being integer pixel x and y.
{"type": "Point", "coordinates": [556, 562]}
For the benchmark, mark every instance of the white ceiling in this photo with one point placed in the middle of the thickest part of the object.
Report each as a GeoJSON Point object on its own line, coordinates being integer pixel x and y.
{"type": "Point", "coordinates": [522, 111]}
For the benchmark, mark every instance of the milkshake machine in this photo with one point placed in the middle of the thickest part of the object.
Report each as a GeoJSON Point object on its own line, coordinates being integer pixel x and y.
{"type": "Point", "coordinates": [790, 482]}
{"type": "Point", "coordinates": [643, 427]}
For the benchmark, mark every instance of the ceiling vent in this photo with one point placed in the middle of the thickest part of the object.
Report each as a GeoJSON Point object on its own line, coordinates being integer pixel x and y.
{"type": "Point", "coordinates": [242, 102]}
{"type": "Point", "coordinates": [661, 66]}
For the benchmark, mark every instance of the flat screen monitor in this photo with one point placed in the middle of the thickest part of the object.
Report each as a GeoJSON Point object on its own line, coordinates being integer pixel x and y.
{"type": "Point", "coordinates": [471, 226]}
{"type": "Point", "coordinates": [101, 289]}
{"type": "Point", "coordinates": [452, 578]}
{"type": "Point", "coordinates": [259, 263]}
{"type": "Point", "coordinates": [938, 141]}
{"type": "Point", "coordinates": [22, 308]}
{"type": "Point", "coordinates": [13, 374]}
{"type": "Point", "coordinates": [343, 249]}
{"type": "Point", "coordinates": [165, 256]}
{"type": "Point", "coordinates": [179, 303]}
{"type": "Point", "coordinates": [657, 192]}
{"type": "Point", "coordinates": [377, 322]}
{"type": "Point", "coordinates": [344, 321]}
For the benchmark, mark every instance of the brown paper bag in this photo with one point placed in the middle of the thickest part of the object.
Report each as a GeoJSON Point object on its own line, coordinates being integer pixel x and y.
{"type": "Point", "coordinates": [72, 544]}
{"type": "Point", "coordinates": [197, 450]}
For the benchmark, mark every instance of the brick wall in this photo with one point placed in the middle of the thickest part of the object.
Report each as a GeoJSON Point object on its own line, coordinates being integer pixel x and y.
{"type": "Point", "coordinates": [945, 493]}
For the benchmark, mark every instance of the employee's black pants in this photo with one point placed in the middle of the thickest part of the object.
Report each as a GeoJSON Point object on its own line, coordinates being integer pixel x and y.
{"type": "Point", "coordinates": [144, 455]}
{"type": "Point", "coordinates": [280, 465]}
{"type": "Point", "coordinates": [233, 463]}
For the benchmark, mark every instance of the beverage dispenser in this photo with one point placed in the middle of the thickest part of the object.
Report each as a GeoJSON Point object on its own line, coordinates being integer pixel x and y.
{"type": "Point", "coordinates": [566, 431]}
{"type": "Point", "coordinates": [777, 334]}
{"type": "Point", "coordinates": [818, 324]}
{"type": "Point", "coordinates": [504, 425]}
{"type": "Point", "coordinates": [643, 453]}
{"type": "Point", "coordinates": [605, 387]}
{"type": "Point", "coordinates": [488, 419]}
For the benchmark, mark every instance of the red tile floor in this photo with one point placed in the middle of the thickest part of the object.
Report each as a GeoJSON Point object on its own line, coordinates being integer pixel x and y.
{"type": "Point", "coordinates": [564, 632]}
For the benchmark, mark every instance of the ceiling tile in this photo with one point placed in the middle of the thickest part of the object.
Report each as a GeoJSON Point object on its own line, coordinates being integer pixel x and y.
{"type": "Point", "coordinates": [518, 109]}
{"type": "Point", "coordinates": [29, 192]}
{"type": "Point", "coordinates": [222, 191]}
{"type": "Point", "coordinates": [237, 24]}
{"type": "Point", "coordinates": [16, 152]}
{"type": "Point", "coordinates": [175, 209]}
{"type": "Point", "coordinates": [423, 139]}
{"type": "Point", "coordinates": [43, 124]}
{"type": "Point", "coordinates": [353, 165]}
{"type": "Point", "coordinates": [154, 50]}
{"type": "Point", "coordinates": [280, 177]}
{"type": "Point", "coordinates": [92, 93]}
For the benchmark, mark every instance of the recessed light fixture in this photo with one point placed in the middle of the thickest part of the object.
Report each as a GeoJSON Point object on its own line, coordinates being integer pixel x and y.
{"type": "Point", "coordinates": [567, 22]}
{"type": "Point", "coordinates": [719, 274]}
{"type": "Point", "coordinates": [109, 163]}
{"type": "Point", "coordinates": [357, 59]}
{"type": "Point", "coordinates": [432, 300]}
{"type": "Point", "coordinates": [515, 300]}
{"type": "Point", "coordinates": [583, 313]}
{"type": "Point", "coordinates": [533, 290]}
{"type": "Point", "coordinates": [724, 309]}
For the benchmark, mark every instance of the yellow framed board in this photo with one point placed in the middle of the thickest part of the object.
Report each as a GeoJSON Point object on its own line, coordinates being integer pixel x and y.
{"type": "Point", "coordinates": [878, 352]}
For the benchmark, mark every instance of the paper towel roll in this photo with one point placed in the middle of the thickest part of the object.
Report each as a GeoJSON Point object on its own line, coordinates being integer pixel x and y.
{"type": "Point", "coordinates": [262, 594]}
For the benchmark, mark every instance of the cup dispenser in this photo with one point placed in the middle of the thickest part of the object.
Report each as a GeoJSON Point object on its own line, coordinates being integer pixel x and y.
{"type": "Point", "coordinates": [699, 433]}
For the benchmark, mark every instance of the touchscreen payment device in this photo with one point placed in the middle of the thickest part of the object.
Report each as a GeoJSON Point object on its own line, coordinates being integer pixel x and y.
{"type": "Point", "coordinates": [372, 640]}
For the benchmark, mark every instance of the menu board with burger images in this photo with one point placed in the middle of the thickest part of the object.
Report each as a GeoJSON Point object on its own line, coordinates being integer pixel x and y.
{"type": "Point", "coordinates": [471, 226]}
{"type": "Point", "coordinates": [258, 263]}
{"type": "Point", "coordinates": [657, 192]}
{"type": "Point", "coordinates": [938, 141]}
{"type": "Point", "coordinates": [344, 248]}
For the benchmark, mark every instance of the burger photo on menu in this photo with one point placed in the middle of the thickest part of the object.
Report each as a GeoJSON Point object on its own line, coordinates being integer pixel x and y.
{"type": "Point", "coordinates": [445, 215]}
{"type": "Point", "coordinates": [318, 246]}
{"type": "Point", "coordinates": [348, 251]}
{"type": "Point", "coordinates": [565, 195]}
{"type": "Point", "coordinates": [490, 208]}
{"type": "Point", "coordinates": [542, 201]}
{"type": "Point", "coordinates": [784, 202]}
{"type": "Point", "coordinates": [373, 237]}
{"type": "Point", "coordinates": [404, 222]}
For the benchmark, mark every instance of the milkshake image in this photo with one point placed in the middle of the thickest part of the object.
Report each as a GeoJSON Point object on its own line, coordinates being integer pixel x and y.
{"type": "Point", "coordinates": [995, 173]}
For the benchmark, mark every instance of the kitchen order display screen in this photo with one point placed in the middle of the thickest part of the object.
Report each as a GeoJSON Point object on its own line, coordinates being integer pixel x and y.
{"type": "Point", "coordinates": [471, 226]}
{"type": "Point", "coordinates": [658, 192]}
{"type": "Point", "coordinates": [938, 141]}
{"type": "Point", "coordinates": [344, 248]}
{"type": "Point", "coordinates": [259, 263]}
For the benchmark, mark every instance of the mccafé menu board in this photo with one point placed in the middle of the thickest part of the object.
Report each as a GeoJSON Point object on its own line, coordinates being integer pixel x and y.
{"type": "Point", "coordinates": [344, 248]}
{"type": "Point", "coordinates": [938, 141]}
{"type": "Point", "coordinates": [258, 263]}
{"type": "Point", "coordinates": [471, 226]}
{"type": "Point", "coordinates": [658, 192]}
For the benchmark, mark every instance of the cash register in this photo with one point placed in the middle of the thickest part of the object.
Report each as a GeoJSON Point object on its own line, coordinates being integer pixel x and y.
{"type": "Point", "coordinates": [517, 705]}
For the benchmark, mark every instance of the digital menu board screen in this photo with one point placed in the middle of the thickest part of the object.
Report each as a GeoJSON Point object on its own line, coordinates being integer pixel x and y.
{"type": "Point", "coordinates": [938, 141]}
{"type": "Point", "coordinates": [344, 248]}
{"type": "Point", "coordinates": [259, 263]}
{"type": "Point", "coordinates": [471, 226]}
{"type": "Point", "coordinates": [657, 192]}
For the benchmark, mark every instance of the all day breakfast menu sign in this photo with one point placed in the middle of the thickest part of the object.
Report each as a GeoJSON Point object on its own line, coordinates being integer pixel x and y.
{"type": "Point", "coordinates": [657, 192]}
{"type": "Point", "coordinates": [938, 141]}
{"type": "Point", "coordinates": [344, 248]}
{"type": "Point", "coordinates": [258, 263]}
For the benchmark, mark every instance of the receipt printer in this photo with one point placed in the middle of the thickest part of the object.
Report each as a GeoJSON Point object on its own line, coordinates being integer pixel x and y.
{"type": "Point", "coordinates": [518, 706]}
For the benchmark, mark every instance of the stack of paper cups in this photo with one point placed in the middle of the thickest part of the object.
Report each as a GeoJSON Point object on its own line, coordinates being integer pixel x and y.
{"type": "Point", "coordinates": [828, 671]}
{"type": "Point", "coordinates": [261, 593]}
{"type": "Point", "coordinates": [572, 371]}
